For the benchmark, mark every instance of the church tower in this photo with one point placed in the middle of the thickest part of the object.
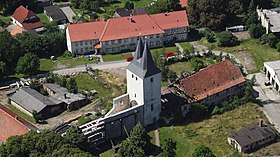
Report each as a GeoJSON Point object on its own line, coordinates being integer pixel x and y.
{"type": "Point", "coordinates": [143, 83]}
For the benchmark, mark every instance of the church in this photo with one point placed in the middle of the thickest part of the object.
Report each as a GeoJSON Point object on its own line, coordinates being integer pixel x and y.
{"type": "Point", "coordinates": [141, 103]}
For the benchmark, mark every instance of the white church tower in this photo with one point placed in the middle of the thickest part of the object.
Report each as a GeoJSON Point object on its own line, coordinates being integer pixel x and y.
{"type": "Point", "coordinates": [144, 83]}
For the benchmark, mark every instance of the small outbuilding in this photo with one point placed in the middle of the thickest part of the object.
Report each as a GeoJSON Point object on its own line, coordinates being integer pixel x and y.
{"type": "Point", "coordinates": [54, 13]}
{"type": "Point", "coordinates": [272, 72]}
{"type": "Point", "coordinates": [121, 12]}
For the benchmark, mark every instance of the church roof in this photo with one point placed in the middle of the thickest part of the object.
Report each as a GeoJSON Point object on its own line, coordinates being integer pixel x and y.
{"type": "Point", "coordinates": [143, 64]}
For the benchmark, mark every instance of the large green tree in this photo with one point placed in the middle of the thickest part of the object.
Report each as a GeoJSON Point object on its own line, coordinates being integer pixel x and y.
{"type": "Point", "coordinates": [75, 136]}
{"type": "Point", "coordinates": [169, 148]}
{"type": "Point", "coordinates": [9, 6]}
{"type": "Point", "coordinates": [164, 6]}
{"type": "Point", "coordinates": [28, 64]}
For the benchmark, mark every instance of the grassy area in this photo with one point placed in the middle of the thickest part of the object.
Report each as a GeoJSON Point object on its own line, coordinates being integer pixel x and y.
{"type": "Point", "coordinates": [108, 153]}
{"type": "Point", "coordinates": [214, 131]}
{"type": "Point", "coordinates": [7, 19]}
{"type": "Point", "coordinates": [63, 62]}
{"type": "Point", "coordinates": [115, 57]}
{"type": "Point", "coordinates": [181, 66]}
{"type": "Point", "coordinates": [165, 49]}
{"type": "Point", "coordinates": [43, 18]}
{"type": "Point", "coordinates": [186, 45]}
{"type": "Point", "coordinates": [260, 53]}
{"type": "Point", "coordinates": [21, 114]}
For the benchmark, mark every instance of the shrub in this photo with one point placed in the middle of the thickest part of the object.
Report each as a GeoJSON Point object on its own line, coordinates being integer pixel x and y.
{"type": "Point", "coordinates": [269, 39]}
{"type": "Point", "coordinates": [226, 39]}
{"type": "Point", "coordinates": [209, 35]}
{"type": "Point", "coordinates": [256, 30]}
{"type": "Point", "coordinates": [189, 133]}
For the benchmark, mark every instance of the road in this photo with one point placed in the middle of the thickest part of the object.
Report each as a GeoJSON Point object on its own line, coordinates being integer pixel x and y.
{"type": "Point", "coordinates": [269, 98]}
{"type": "Point", "coordinates": [100, 66]}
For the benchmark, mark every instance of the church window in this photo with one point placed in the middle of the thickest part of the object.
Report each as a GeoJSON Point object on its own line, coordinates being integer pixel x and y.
{"type": "Point", "coordinates": [135, 95]}
{"type": "Point", "coordinates": [152, 107]}
{"type": "Point", "coordinates": [132, 76]}
{"type": "Point", "coordinates": [136, 78]}
{"type": "Point", "coordinates": [152, 79]}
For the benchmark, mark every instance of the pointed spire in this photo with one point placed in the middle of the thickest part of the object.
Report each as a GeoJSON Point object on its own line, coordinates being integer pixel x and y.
{"type": "Point", "coordinates": [147, 61]}
{"type": "Point", "coordinates": [139, 50]}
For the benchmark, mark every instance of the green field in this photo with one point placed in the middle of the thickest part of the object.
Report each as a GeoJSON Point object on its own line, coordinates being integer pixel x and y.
{"type": "Point", "coordinates": [115, 57]}
{"type": "Point", "coordinates": [213, 132]}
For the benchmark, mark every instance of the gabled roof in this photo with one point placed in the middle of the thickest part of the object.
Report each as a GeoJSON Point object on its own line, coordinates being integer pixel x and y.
{"type": "Point", "coordinates": [184, 3]}
{"type": "Point", "coordinates": [252, 134]}
{"type": "Point", "coordinates": [211, 80]}
{"type": "Point", "coordinates": [144, 66]}
{"type": "Point", "coordinates": [31, 100]}
{"type": "Point", "coordinates": [86, 31]}
{"type": "Point", "coordinates": [128, 27]}
{"type": "Point", "coordinates": [69, 13]}
{"type": "Point", "coordinates": [139, 11]}
{"type": "Point", "coordinates": [122, 12]}
{"type": "Point", "coordinates": [170, 20]}
{"type": "Point", "coordinates": [21, 13]}
{"type": "Point", "coordinates": [11, 124]}
{"type": "Point", "coordinates": [55, 13]}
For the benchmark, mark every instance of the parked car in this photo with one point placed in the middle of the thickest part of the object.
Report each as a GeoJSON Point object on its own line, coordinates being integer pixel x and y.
{"type": "Point", "coordinates": [129, 58]}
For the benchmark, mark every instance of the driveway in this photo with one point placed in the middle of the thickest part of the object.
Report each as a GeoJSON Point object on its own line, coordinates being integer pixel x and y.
{"type": "Point", "coordinates": [269, 99]}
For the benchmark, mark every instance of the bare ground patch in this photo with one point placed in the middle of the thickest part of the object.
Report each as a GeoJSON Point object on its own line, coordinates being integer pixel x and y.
{"type": "Point", "coordinates": [242, 35]}
{"type": "Point", "coordinates": [119, 72]}
{"type": "Point", "coordinates": [246, 59]}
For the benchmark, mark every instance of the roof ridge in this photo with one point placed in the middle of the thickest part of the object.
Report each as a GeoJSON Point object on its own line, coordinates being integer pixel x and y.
{"type": "Point", "coordinates": [104, 30]}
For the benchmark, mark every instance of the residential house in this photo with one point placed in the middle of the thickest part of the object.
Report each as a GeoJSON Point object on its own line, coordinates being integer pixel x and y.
{"type": "Point", "coordinates": [213, 84]}
{"type": "Point", "coordinates": [184, 3]}
{"type": "Point", "coordinates": [121, 34]}
{"type": "Point", "coordinates": [73, 101]}
{"type": "Point", "coordinates": [54, 13]}
{"type": "Point", "coordinates": [251, 138]}
{"type": "Point", "coordinates": [43, 3]}
{"type": "Point", "coordinates": [121, 12]}
{"type": "Point", "coordinates": [26, 20]}
{"type": "Point", "coordinates": [139, 11]}
{"type": "Point", "coordinates": [272, 72]}
{"type": "Point", "coordinates": [12, 124]}
{"type": "Point", "coordinates": [270, 19]}
{"type": "Point", "coordinates": [29, 100]}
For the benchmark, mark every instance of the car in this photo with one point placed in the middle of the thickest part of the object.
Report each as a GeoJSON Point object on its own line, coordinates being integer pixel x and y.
{"type": "Point", "coordinates": [129, 58]}
{"type": "Point", "coordinates": [267, 83]}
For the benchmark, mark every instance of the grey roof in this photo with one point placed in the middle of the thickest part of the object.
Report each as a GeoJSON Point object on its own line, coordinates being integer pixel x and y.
{"type": "Point", "coordinates": [31, 100]}
{"type": "Point", "coordinates": [252, 134]}
{"type": "Point", "coordinates": [69, 13]}
{"type": "Point", "coordinates": [139, 11]}
{"type": "Point", "coordinates": [275, 65]}
{"type": "Point", "coordinates": [122, 12]}
{"type": "Point", "coordinates": [144, 66]}
{"type": "Point", "coordinates": [55, 13]}
{"type": "Point", "coordinates": [274, 18]}
{"type": "Point", "coordinates": [61, 92]}
{"type": "Point", "coordinates": [139, 49]}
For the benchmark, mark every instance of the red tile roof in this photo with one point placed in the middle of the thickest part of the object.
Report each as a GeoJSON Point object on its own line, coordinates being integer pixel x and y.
{"type": "Point", "coordinates": [86, 31]}
{"type": "Point", "coordinates": [211, 80]}
{"type": "Point", "coordinates": [184, 3]}
{"type": "Point", "coordinates": [11, 124]}
{"type": "Point", "coordinates": [170, 20]}
{"type": "Point", "coordinates": [128, 27]}
{"type": "Point", "coordinates": [21, 13]}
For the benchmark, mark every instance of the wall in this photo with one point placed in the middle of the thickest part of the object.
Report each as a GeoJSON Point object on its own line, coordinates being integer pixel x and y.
{"type": "Point", "coordinates": [21, 108]}
{"type": "Point", "coordinates": [264, 20]}
{"type": "Point", "coordinates": [134, 87]}
{"type": "Point", "coordinates": [15, 22]}
{"type": "Point", "coordinates": [273, 76]}
{"type": "Point", "coordinates": [175, 35]}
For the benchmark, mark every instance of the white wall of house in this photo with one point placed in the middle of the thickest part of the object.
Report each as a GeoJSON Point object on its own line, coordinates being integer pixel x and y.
{"type": "Point", "coordinates": [264, 20]}
{"type": "Point", "coordinates": [21, 108]}
{"type": "Point", "coordinates": [69, 43]}
{"type": "Point", "coordinates": [15, 22]}
{"type": "Point", "coordinates": [271, 75]}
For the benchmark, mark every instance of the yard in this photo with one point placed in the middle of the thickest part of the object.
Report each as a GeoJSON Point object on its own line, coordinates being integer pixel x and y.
{"type": "Point", "coordinates": [115, 57]}
{"type": "Point", "coordinates": [213, 132]}
{"type": "Point", "coordinates": [43, 18]}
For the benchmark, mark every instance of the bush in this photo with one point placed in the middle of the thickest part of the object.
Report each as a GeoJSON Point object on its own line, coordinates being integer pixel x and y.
{"type": "Point", "coordinates": [256, 30]}
{"type": "Point", "coordinates": [269, 39]}
{"type": "Point", "coordinates": [189, 133]}
{"type": "Point", "coordinates": [209, 35]}
{"type": "Point", "coordinates": [226, 39]}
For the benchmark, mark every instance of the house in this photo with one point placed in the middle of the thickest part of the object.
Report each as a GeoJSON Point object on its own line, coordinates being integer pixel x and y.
{"type": "Point", "coordinates": [43, 3]}
{"type": "Point", "coordinates": [29, 100]}
{"type": "Point", "coordinates": [54, 13]}
{"type": "Point", "coordinates": [121, 12]}
{"type": "Point", "coordinates": [12, 124]}
{"type": "Point", "coordinates": [73, 101]}
{"type": "Point", "coordinates": [141, 103]}
{"type": "Point", "coordinates": [27, 20]}
{"type": "Point", "coordinates": [272, 72]}
{"type": "Point", "coordinates": [184, 3]}
{"type": "Point", "coordinates": [69, 13]}
{"type": "Point", "coordinates": [213, 84]}
{"type": "Point", "coordinates": [139, 11]}
{"type": "Point", "coordinates": [270, 19]}
{"type": "Point", "coordinates": [121, 34]}
{"type": "Point", "coordinates": [252, 138]}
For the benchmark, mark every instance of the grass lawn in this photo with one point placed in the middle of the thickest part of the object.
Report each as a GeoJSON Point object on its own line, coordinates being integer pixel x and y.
{"type": "Point", "coordinates": [63, 62]}
{"type": "Point", "coordinates": [186, 45]}
{"type": "Point", "coordinates": [181, 66]}
{"type": "Point", "coordinates": [43, 18]}
{"type": "Point", "coordinates": [115, 57]}
{"type": "Point", "coordinates": [7, 19]}
{"type": "Point", "coordinates": [21, 114]}
{"type": "Point", "coordinates": [165, 49]}
{"type": "Point", "coordinates": [214, 131]}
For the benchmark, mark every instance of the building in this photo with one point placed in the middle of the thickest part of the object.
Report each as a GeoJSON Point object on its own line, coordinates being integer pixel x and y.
{"type": "Point", "coordinates": [272, 72]}
{"type": "Point", "coordinates": [184, 3]}
{"type": "Point", "coordinates": [43, 3]}
{"type": "Point", "coordinates": [29, 100]}
{"type": "Point", "coordinates": [213, 84]}
{"type": "Point", "coordinates": [73, 101]}
{"type": "Point", "coordinates": [121, 34]}
{"type": "Point", "coordinates": [139, 11]}
{"type": "Point", "coordinates": [270, 19]}
{"type": "Point", "coordinates": [12, 124]}
{"type": "Point", "coordinates": [27, 20]}
{"type": "Point", "coordinates": [121, 12]}
{"type": "Point", "coordinates": [141, 103]}
{"type": "Point", "coordinates": [54, 13]}
{"type": "Point", "coordinates": [252, 138]}
{"type": "Point", "coordinates": [69, 13]}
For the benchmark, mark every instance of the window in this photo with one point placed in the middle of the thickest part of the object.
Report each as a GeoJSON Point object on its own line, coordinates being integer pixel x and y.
{"type": "Point", "coordinates": [151, 43]}
{"type": "Point", "coordinates": [77, 50]}
{"type": "Point", "coordinates": [113, 41]}
{"type": "Point", "coordinates": [152, 107]}
{"type": "Point", "coordinates": [132, 76]}
{"type": "Point", "coordinates": [152, 79]}
{"type": "Point", "coordinates": [82, 50]}
{"type": "Point", "coordinates": [106, 42]}
{"type": "Point", "coordinates": [85, 42]}
{"type": "Point", "coordinates": [125, 40]}
{"type": "Point", "coordinates": [86, 49]}
{"type": "Point", "coordinates": [81, 43]}
{"type": "Point", "coordinates": [135, 95]}
{"type": "Point", "coordinates": [76, 44]}
{"type": "Point", "coordinates": [90, 42]}
{"type": "Point", "coordinates": [120, 41]}
{"type": "Point", "coordinates": [157, 35]}
{"type": "Point", "coordinates": [136, 78]}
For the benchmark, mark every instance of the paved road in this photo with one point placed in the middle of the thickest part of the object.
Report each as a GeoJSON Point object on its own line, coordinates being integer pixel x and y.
{"type": "Point", "coordinates": [100, 66]}
{"type": "Point", "coordinates": [269, 98]}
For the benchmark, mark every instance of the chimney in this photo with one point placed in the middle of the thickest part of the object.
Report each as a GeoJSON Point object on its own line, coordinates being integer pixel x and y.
{"type": "Point", "coordinates": [261, 123]}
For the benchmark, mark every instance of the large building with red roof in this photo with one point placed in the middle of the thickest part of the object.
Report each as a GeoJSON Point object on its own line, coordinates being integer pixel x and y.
{"type": "Point", "coordinates": [26, 20]}
{"type": "Point", "coordinates": [121, 34]}
{"type": "Point", "coordinates": [213, 84]}
{"type": "Point", "coordinates": [11, 124]}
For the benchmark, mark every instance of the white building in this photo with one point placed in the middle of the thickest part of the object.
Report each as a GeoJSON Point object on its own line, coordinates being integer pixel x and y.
{"type": "Point", "coordinates": [272, 72]}
{"type": "Point", "coordinates": [141, 103]}
{"type": "Point", "coordinates": [270, 19]}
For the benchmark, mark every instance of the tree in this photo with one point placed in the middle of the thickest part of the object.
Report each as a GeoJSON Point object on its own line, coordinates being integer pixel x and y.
{"type": "Point", "coordinates": [256, 30]}
{"type": "Point", "coordinates": [172, 76]}
{"type": "Point", "coordinates": [28, 64]}
{"type": "Point", "coordinates": [2, 68]}
{"type": "Point", "coordinates": [209, 35]}
{"type": "Point", "coordinates": [202, 151]}
{"type": "Point", "coordinates": [252, 18]}
{"type": "Point", "coordinates": [129, 5]}
{"type": "Point", "coordinates": [75, 136]}
{"type": "Point", "coordinates": [197, 64]}
{"type": "Point", "coordinates": [226, 38]}
{"type": "Point", "coordinates": [164, 6]}
{"type": "Point", "coordinates": [72, 85]}
{"type": "Point", "coordinates": [169, 148]}
{"type": "Point", "coordinates": [270, 39]}
{"type": "Point", "coordinates": [198, 112]}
